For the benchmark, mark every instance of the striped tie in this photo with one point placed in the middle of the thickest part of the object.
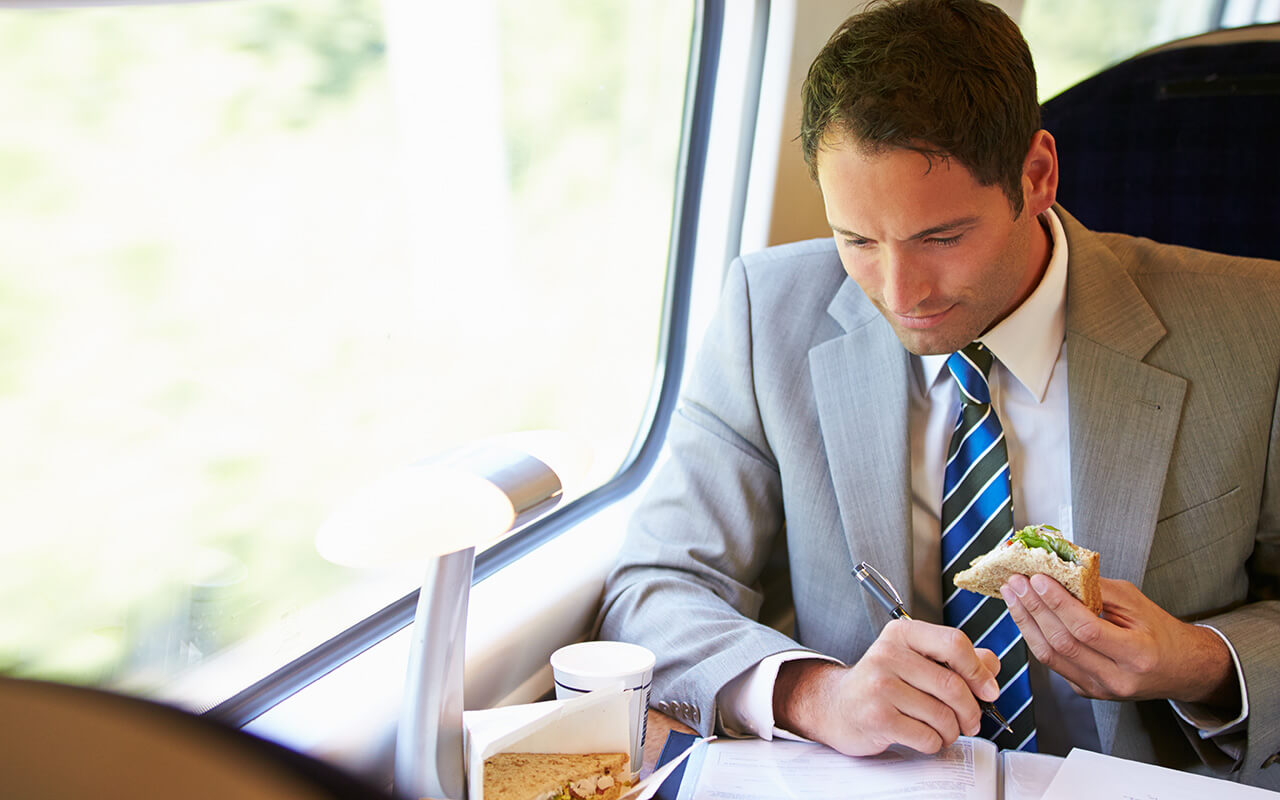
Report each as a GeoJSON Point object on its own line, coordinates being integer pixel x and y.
{"type": "Point", "coordinates": [977, 514]}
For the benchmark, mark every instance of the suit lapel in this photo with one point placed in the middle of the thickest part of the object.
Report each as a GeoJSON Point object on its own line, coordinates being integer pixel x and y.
{"type": "Point", "coordinates": [860, 387]}
{"type": "Point", "coordinates": [1123, 417]}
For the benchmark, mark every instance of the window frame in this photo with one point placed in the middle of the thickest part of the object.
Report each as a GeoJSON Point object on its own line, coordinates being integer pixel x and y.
{"type": "Point", "coordinates": [282, 683]}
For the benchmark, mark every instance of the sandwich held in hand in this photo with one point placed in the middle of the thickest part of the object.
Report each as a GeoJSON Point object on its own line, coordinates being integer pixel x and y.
{"type": "Point", "coordinates": [1036, 548]}
{"type": "Point", "coordinates": [556, 776]}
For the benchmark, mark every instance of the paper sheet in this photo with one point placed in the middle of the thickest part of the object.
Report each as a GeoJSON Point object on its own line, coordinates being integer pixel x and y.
{"type": "Point", "coordinates": [750, 769]}
{"type": "Point", "coordinates": [1027, 775]}
{"type": "Point", "coordinates": [1099, 777]}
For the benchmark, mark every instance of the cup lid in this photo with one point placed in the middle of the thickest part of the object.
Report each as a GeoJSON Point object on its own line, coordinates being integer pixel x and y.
{"type": "Point", "coordinates": [603, 659]}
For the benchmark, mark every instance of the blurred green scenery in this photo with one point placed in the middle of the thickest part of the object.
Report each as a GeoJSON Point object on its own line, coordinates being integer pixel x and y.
{"type": "Point", "coordinates": [216, 323]}
{"type": "Point", "coordinates": [1073, 40]}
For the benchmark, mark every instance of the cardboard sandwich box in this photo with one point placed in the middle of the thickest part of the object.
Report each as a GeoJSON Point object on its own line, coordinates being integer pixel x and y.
{"type": "Point", "coordinates": [598, 722]}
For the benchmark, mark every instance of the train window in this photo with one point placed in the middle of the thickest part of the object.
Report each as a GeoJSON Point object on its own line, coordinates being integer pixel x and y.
{"type": "Point", "coordinates": [258, 253]}
{"type": "Point", "coordinates": [1071, 41]}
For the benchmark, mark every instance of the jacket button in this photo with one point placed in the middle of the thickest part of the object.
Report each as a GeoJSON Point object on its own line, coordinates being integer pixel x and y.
{"type": "Point", "coordinates": [1271, 759]}
{"type": "Point", "coordinates": [662, 705]}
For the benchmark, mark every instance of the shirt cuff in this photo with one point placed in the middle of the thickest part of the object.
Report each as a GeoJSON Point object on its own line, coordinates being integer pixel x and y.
{"type": "Point", "coordinates": [746, 703]}
{"type": "Point", "coordinates": [1200, 717]}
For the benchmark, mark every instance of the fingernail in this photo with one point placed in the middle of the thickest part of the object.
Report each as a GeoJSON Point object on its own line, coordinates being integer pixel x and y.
{"type": "Point", "coordinates": [1019, 585]}
{"type": "Point", "coordinates": [1040, 583]}
{"type": "Point", "coordinates": [1007, 594]}
{"type": "Point", "coordinates": [991, 689]}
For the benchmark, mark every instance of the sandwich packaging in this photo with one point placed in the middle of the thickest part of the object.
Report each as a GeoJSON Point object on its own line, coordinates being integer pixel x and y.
{"type": "Point", "coordinates": [598, 722]}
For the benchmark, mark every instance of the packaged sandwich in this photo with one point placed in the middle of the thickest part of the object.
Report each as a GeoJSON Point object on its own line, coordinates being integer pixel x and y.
{"type": "Point", "coordinates": [575, 749]}
{"type": "Point", "coordinates": [1036, 549]}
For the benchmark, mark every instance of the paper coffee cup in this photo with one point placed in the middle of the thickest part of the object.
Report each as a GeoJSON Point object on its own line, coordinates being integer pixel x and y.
{"type": "Point", "coordinates": [587, 666]}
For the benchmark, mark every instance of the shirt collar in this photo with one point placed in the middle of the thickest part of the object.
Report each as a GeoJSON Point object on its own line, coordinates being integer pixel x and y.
{"type": "Point", "coordinates": [1027, 342]}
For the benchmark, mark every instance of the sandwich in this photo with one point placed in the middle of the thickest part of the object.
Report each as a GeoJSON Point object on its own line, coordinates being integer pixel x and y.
{"type": "Point", "coordinates": [556, 776]}
{"type": "Point", "coordinates": [1036, 548]}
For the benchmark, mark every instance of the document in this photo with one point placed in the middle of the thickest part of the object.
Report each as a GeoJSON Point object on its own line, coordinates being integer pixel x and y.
{"type": "Point", "coordinates": [970, 769]}
{"type": "Point", "coordinates": [1099, 777]}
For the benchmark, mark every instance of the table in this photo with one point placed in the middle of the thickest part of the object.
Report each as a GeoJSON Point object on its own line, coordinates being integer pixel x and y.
{"type": "Point", "coordinates": [656, 736]}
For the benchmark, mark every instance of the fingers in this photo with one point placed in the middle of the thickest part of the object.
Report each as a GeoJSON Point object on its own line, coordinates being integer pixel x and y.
{"type": "Point", "coordinates": [1052, 628]}
{"type": "Point", "coordinates": [914, 686]}
{"type": "Point", "coordinates": [950, 647]}
{"type": "Point", "coordinates": [1134, 651]}
{"type": "Point", "coordinates": [941, 663]}
{"type": "Point", "coordinates": [1041, 628]}
{"type": "Point", "coordinates": [903, 714]}
{"type": "Point", "coordinates": [1121, 602]}
{"type": "Point", "coordinates": [942, 701]}
{"type": "Point", "coordinates": [1063, 635]}
{"type": "Point", "coordinates": [992, 663]}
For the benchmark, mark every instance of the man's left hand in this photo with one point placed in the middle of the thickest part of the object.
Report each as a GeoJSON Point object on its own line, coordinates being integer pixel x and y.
{"type": "Point", "coordinates": [1134, 651]}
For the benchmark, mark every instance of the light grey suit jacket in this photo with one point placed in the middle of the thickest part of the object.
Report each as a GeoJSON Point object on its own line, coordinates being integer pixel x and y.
{"type": "Point", "coordinates": [792, 439]}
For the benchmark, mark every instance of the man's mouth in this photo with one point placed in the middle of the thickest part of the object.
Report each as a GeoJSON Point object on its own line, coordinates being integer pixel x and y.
{"type": "Point", "coordinates": [922, 321]}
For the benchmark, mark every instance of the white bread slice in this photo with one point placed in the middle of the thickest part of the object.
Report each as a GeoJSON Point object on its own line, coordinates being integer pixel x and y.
{"type": "Point", "coordinates": [547, 776]}
{"type": "Point", "coordinates": [988, 572]}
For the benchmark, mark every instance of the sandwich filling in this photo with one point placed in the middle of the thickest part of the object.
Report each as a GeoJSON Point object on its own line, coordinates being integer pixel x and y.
{"type": "Point", "coordinates": [1045, 537]}
{"type": "Point", "coordinates": [581, 790]}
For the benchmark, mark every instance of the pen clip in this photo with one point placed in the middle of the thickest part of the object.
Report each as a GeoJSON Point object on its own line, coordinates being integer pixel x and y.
{"type": "Point", "coordinates": [866, 572]}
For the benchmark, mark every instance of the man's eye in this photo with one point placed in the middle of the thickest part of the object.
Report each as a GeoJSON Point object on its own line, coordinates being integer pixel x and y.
{"type": "Point", "coordinates": [946, 241]}
{"type": "Point", "coordinates": [856, 242]}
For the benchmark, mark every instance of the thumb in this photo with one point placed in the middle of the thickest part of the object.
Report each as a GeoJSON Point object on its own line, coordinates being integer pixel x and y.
{"type": "Point", "coordinates": [989, 660]}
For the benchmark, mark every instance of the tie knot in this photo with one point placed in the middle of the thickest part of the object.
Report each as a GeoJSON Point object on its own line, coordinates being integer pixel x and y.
{"type": "Point", "coordinates": [970, 367]}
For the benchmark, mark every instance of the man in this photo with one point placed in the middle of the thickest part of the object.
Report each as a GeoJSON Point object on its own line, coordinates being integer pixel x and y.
{"type": "Point", "coordinates": [1133, 387]}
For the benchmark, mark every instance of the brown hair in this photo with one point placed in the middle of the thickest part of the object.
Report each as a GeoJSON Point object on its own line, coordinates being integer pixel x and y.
{"type": "Point", "coordinates": [946, 78]}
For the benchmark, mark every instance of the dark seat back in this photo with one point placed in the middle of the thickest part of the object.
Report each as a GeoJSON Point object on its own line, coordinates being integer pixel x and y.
{"type": "Point", "coordinates": [1180, 144]}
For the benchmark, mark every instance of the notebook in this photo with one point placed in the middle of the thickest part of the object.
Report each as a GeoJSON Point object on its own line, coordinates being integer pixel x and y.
{"type": "Point", "coordinates": [752, 769]}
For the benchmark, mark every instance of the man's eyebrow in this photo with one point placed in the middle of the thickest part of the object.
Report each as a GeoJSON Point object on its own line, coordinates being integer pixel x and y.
{"type": "Point", "coordinates": [945, 227]}
{"type": "Point", "coordinates": [846, 233]}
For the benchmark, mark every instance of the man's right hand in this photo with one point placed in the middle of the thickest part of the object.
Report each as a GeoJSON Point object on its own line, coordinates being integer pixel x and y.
{"type": "Point", "coordinates": [916, 686]}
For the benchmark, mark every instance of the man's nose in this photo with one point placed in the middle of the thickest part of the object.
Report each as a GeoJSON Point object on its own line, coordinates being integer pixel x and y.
{"type": "Point", "coordinates": [905, 284]}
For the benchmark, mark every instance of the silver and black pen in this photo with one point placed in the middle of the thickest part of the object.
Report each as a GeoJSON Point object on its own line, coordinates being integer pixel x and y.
{"type": "Point", "coordinates": [888, 597]}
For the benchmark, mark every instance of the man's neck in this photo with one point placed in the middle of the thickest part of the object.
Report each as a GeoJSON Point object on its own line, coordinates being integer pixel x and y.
{"type": "Point", "coordinates": [1041, 251]}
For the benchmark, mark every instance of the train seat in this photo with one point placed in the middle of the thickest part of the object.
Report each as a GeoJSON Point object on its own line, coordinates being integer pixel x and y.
{"type": "Point", "coordinates": [1178, 143]}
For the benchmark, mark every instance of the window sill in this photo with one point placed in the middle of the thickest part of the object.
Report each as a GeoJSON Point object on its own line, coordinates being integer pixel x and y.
{"type": "Point", "coordinates": [349, 716]}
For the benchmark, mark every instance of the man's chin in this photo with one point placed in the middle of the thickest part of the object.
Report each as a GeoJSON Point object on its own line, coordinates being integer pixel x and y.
{"type": "Point", "coordinates": [942, 333]}
{"type": "Point", "coordinates": [931, 342]}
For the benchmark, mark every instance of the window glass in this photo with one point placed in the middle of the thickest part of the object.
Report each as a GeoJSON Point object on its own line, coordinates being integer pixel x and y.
{"type": "Point", "coordinates": [259, 253]}
{"type": "Point", "coordinates": [1072, 40]}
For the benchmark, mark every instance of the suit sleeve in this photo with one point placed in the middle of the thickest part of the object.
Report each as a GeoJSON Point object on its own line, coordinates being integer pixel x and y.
{"type": "Point", "coordinates": [1253, 631]}
{"type": "Point", "coordinates": [687, 581]}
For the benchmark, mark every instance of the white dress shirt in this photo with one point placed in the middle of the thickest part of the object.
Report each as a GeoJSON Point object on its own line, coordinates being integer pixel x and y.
{"type": "Point", "coordinates": [1029, 392]}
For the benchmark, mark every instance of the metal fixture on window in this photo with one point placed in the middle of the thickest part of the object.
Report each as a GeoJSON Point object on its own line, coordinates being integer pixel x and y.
{"type": "Point", "coordinates": [441, 511]}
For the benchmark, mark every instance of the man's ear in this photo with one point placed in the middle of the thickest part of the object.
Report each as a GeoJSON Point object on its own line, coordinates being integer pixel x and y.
{"type": "Point", "coordinates": [1040, 173]}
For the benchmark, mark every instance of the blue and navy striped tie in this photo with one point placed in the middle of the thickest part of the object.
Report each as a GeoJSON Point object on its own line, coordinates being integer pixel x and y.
{"type": "Point", "coordinates": [977, 514]}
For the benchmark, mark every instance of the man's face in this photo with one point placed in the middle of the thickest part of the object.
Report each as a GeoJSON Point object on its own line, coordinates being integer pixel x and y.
{"type": "Point", "coordinates": [939, 255]}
